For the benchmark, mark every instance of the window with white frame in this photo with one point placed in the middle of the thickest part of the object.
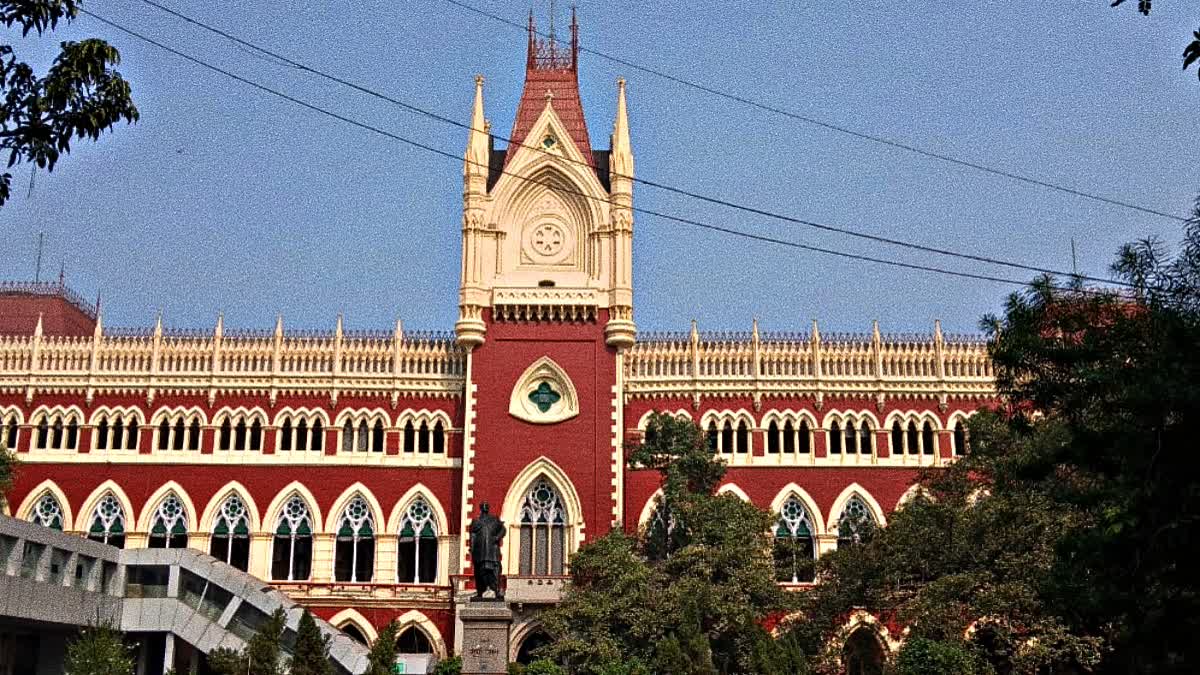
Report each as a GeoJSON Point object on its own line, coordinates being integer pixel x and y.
{"type": "Point", "coordinates": [291, 551]}
{"type": "Point", "coordinates": [795, 547]}
{"type": "Point", "coordinates": [240, 431]}
{"type": "Point", "coordinates": [57, 430]}
{"type": "Point", "coordinates": [363, 434]}
{"type": "Point", "coordinates": [856, 524]}
{"type": "Point", "coordinates": [354, 549]}
{"type": "Point", "coordinates": [107, 524]}
{"type": "Point", "coordinates": [729, 435]}
{"type": "Point", "coordinates": [178, 430]}
{"type": "Point", "coordinates": [230, 541]}
{"type": "Point", "coordinates": [851, 435]}
{"type": "Point", "coordinates": [116, 431]}
{"type": "Point", "coordinates": [9, 428]}
{"type": "Point", "coordinates": [789, 438]}
{"type": "Point", "coordinates": [47, 512]}
{"type": "Point", "coordinates": [301, 433]}
{"type": "Point", "coordinates": [543, 531]}
{"type": "Point", "coordinates": [418, 545]}
{"type": "Point", "coordinates": [169, 527]}
{"type": "Point", "coordinates": [911, 439]}
{"type": "Point", "coordinates": [424, 437]}
{"type": "Point", "coordinates": [961, 442]}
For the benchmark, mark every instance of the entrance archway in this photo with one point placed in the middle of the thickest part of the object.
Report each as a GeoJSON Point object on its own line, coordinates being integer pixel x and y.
{"type": "Point", "coordinates": [863, 653]}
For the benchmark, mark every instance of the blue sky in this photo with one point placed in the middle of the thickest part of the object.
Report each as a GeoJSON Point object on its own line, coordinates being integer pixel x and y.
{"type": "Point", "coordinates": [224, 199]}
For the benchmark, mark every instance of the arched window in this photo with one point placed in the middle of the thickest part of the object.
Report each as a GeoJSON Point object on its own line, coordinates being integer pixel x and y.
{"type": "Point", "coordinates": [57, 431]}
{"type": "Point", "coordinates": [354, 554]}
{"type": "Point", "coordinates": [423, 438]}
{"type": "Point", "coordinates": [169, 527]}
{"type": "Point", "coordinates": [727, 438]}
{"type": "Point", "coordinates": [178, 441]}
{"type": "Point", "coordinates": [102, 434]}
{"type": "Point", "coordinates": [47, 512]}
{"type": "Point", "coordinates": [712, 436]}
{"type": "Point", "coordinates": [116, 432]}
{"type": "Point", "coordinates": [927, 439]}
{"type": "Point", "coordinates": [231, 534]}
{"type": "Point", "coordinates": [743, 438]}
{"type": "Point", "coordinates": [239, 435]}
{"type": "Point", "coordinates": [439, 439]}
{"type": "Point", "coordinates": [794, 547]}
{"type": "Point", "coordinates": [377, 437]}
{"type": "Point", "coordinates": [418, 545]}
{"type": "Point", "coordinates": [291, 551]}
{"type": "Point", "coordinates": [863, 655]}
{"type": "Point", "coordinates": [226, 434]}
{"type": "Point", "coordinates": [413, 640]}
{"type": "Point", "coordinates": [285, 435]}
{"type": "Point", "coordinates": [543, 530]}
{"type": "Point", "coordinates": [108, 522]}
{"type": "Point", "coordinates": [410, 437]}
{"type": "Point", "coordinates": [914, 446]}
{"type": "Point", "coordinates": [897, 438]}
{"type": "Point", "coordinates": [835, 438]}
{"type": "Point", "coordinates": [851, 438]}
{"type": "Point", "coordinates": [864, 438]}
{"type": "Point", "coordinates": [960, 438]}
{"type": "Point", "coordinates": [535, 641]}
{"type": "Point", "coordinates": [789, 437]}
{"type": "Point", "coordinates": [193, 436]}
{"type": "Point", "coordinates": [805, 445]}
{"type": "Point", "coordinates": [856, 524]}
{"type": "Point", "coordinates": [318, 437]}
{"type": "Point", "coordinates": [9, 431]}
{"type": "Point", "coordinates": [352, 631]}
{"type": "Point", "coordinates": [301, 435]}
{"type": "Point", "coordinates": [180, 430]}
{"type": "Point", "coordinates": [773, 438]}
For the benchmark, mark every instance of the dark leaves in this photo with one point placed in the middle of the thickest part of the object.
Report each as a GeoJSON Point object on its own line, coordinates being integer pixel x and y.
{"type": "Point", "coordinates": [1192, 53]}
{"type": "Point", "coordinates": [37, 15]}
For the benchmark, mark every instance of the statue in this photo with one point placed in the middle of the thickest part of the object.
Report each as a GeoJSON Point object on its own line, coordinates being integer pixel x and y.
{"type": "Point", "coordinates": [487, 531]}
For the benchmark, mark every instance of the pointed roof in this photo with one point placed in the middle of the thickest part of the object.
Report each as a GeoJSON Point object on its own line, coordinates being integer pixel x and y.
{"type": "Point", "coordinates": [551, 68]}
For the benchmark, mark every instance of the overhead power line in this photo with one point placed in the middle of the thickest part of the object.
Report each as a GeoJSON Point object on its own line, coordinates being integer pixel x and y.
{"type": "Point", "coordinates": [838, 128]}
{"type": "Point", "coordinates": [410, 107]}
{"type": "Point", "coordinates": [456, 158]}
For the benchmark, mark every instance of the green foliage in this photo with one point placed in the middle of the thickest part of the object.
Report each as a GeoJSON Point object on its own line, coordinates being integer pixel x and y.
{"type": "Point", "coordinates": [688, 595]}
{"type": "Point", "coordinates": [262, 654]}
{"type": "Point", "coordinates": [81, 96]}
{"type": "Point", "coordinates": [538, 667]}
{"type": "Point", "coordinates": [921, 656]}
{"type": "Point", "coordinates": [450, 666]}
{"type": "Point", "coordinates": [99, 650]}
{"type": "Point", "coordinates": [1063, 530]}
{"type": "Point", "coordinates": [382, 657]}
{"type": "Point", "coordinates": [8, 469]}
{"type": "Point", "coordinates": [311, 655]}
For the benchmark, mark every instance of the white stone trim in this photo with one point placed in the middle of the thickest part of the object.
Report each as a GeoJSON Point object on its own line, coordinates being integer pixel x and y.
{"type": "Point", "coordinates": [814, 511]}
{"type": "Point", "coordinates": [839, 504]}
{"type": "Point", "coordinates": [48, 486]}
{"type": "Point", "coordinates": [544, 369]}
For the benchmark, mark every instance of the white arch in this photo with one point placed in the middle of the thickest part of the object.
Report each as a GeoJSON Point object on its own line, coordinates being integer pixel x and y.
{"type": "Point", "coordinates": [46, 487]}
{"type": "Point", "coordinates": [733, 489]}
{"type": "Point", "coordinates": [354, 617]}
{"type": "Point", "coordinates": [917, 416]}
{"type": "Point", "coordinates": [89, 505]}
{"type": "Point", "coordinates": [297, 414]}
{"type": "Point", "coordinates": [678, 414]}
{"type": "Point", "coordinates": [520, 633]}
{"type": "Point", "coordinates": [733, 416]}
{"type": "Point", "coordinates": [339, 507]}
{"type": "Point", "coordinates": [417, 618]}
{"type": "Point", "coordinates": [418, 490]}
{"type": "Point", "coordinates": [122, 412]}
{"type": "Point", "coordinates": [250, 414]}
{"type": "Point", "coordinates": [784, 416]}
{"type": "Point", "coordinates": [648, 509]}
{"type": "Point", "coordinates": [7, 410]}
{"type": "Point", "coordinates": [65, 411]}
{"type": "Point", "coordinates": [857, 416]}
{"type": "Point", "coordinates": [541, 467]}
{"type": "Point", "coordinates": [179, 412]}
{"type": "Point", "coordinates": [911, 493]}
{"type": "Point", "coordinates": [430, 417]}
{"type": "Point", "coordinates": [368, 415]}
{"type": "Point", "coordinates": [275, 507]}
{"type": "Point", "coordinates": [814, 511]}
{"type": "Point", "coordinates": [144, 521]}
{"type": "Point", "coordinates": [839, 504]}
{"type": "Point", "coordinates": [207, 520]}
{"type": "Point", "coordinates": [861, 618]}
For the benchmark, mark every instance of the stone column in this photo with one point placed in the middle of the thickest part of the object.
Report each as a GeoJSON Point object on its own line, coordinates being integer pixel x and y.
{"type": "Point", "coordinates": [485, 631]}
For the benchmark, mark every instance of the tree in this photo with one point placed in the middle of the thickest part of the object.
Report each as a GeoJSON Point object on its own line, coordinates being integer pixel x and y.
{"type": "Point", "coordinates": [450, 666]}
{"type": "Point", "coordinates": [8, 469]}
{"type": "Point", "coordinates": [1057, 543]}
{"type": "Point", "coordinates": [689, 595]}
{"type": "Point", "coordinates": [381, 659]}
{"type": "Point", "coordinates": [262, 654]}
{"type": "Point", "coordinates": [81, 96]}
{"type": "Point", "coordinates": [99, 650]}
{"type": "Point", "coordinates": [311, 655]}
{"type": "Point", "coordinates": [1190, 54]}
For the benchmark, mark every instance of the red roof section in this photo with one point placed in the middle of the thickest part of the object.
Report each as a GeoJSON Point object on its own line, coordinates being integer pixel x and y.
{"type": "Point", "coordinates": [554, 69]}
{"type": "Point", "coordinates": [63, 312]}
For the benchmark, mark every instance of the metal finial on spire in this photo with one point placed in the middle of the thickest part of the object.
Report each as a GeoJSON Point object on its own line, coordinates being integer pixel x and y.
{"type": "Point", "coordinates": [551, 22]}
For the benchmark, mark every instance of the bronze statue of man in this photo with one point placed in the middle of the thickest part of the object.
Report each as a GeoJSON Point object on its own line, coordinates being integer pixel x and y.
{"type": "Point", "coordinates": [487, 531]}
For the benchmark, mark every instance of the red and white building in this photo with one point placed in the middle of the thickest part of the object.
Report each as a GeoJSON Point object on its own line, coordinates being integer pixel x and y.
{"type": "Point", "coordinates": [344, 467]}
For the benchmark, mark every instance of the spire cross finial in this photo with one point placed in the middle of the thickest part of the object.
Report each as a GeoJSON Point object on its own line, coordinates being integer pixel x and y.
{"type": "Point", "coordinates": [549, 96]}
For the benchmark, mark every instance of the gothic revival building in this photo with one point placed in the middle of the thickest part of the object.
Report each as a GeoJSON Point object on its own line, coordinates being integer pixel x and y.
{"type": "Point", "coordinates": [344, 467]}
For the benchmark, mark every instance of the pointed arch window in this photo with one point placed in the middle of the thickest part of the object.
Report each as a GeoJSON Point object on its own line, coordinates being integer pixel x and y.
{"type": "Point", "coordinates": [795, 549]}
{"type": "Point", "coordinates": [773, 438]}
{"type": "Point", "coordinates": [856, 524]}
{"type": "Point", "coordinates": [927, 438]}
{"type": "Point", "coordinates": [897, 438]}
{"type": "Point", "coordinates": [9, 431]}
{"type": "Point", "coordinates": [418, 545]}
{"type": "Point", "coordinates": [169, 527]}
{"type": "Point", "coordinates": [291, 550]}
{"type": "Point", "coordinates": [713, 435]}
{"type": "Point", "coordinates": [354, 552]}
{"type": "Point", "coordinates": [914, 440]}
{"type": "Point", "coordinates": [835, 438]}
{"type": "Point", "coordinates": [543, 531]}
{"type": "Point", "coordinates": [413, 640]}
{"type": "Point", "coordinates": [863, 654]}
{"type": "Point", "coordinates": [47, 512]}
{"type": "Point", "coordinates": [865, 446]}
{"type": "Point", "coordinates": [115, 432]}
{"type": "Point", "coordinates": [960, 439]}
{"type": "Point", "coordinates": [231, 534]}
{"type": "Point", "coordinates": [57, 431]}
{"type": "Point", "coordinates": [363, 436]}
{"type": "Point", "coordinates": [108, 522]}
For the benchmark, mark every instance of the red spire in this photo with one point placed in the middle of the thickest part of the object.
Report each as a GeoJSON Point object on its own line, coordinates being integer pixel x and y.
{"type": "Point", "coordinates": [550, 69]}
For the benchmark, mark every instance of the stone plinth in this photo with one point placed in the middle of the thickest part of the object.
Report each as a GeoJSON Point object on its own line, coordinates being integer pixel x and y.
{"type": "Point", "coordinates": [486, 626]}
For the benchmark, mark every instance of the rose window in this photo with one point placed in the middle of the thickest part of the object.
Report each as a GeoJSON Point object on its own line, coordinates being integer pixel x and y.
{"type": "Point", "coordinates": [547, 239]}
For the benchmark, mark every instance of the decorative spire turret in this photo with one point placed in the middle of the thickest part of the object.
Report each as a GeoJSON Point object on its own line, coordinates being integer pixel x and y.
{"type": "Point", "coordinates": [475, 164]}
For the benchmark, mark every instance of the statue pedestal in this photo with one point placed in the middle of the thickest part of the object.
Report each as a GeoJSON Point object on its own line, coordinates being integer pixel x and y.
{"type": "Point", "coordinates": [486, 626]}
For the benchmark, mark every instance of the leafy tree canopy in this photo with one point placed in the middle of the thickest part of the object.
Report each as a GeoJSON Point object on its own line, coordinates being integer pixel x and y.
{"type": "Point", "coordinates": [311, 655]}
{"type": "Point", "coordinates": [691, 594]}
{"type": "Point", "coordinates": [81, 96]}
{"type": "Point", "coordinates": [8, 469]}
{"type": "Point", "coordinates": [1059, 544]}
{"type": "Point", "coordinates": [381, 659]}
{"type": "Point", "coordinates": [99, 650]}
{"type": "Point", "coordinates": [263, 654]}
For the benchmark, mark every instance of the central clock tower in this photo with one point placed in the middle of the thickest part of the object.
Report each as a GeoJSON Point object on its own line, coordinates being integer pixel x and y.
{"type": "Point", "coordinates": [545, 313]}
